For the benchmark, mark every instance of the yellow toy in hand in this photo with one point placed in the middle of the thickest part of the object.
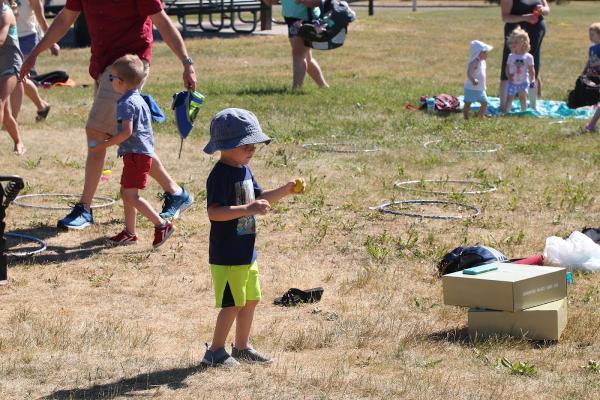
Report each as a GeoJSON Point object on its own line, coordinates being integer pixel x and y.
{"type": "Point", "coordinates": [299, 185]}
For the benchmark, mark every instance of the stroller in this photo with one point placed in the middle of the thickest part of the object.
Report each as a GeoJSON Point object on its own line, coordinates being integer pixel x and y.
{"type": "Point", "coordinates": [7, 195]}
{"type": "Point", "coordinates": [329, 30]}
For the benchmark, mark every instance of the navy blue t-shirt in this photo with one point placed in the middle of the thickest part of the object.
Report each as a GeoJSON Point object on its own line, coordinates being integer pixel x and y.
{"type": "Point", "coordinates": [232, 242]}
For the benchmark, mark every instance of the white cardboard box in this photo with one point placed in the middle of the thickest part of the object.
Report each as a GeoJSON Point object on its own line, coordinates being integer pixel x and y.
{"type": "Point", "coordinates": [545, 322]}
{"type": "Point", "coordinates": [512, 287]}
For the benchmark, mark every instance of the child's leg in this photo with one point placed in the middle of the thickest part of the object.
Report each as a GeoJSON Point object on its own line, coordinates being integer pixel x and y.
{"type": "Point", "coordinates": [243, 324]}
{"type": "Point", "coordinates": [483, 108]}
{"type": "Point", "coordinates": [523, 99]}
{"type": "Point", "coordinates": [314, 70]}
{"type": "Point", "coordinates": [131, 196]}
{"type": "Point", "coordinates": [224, 321]}
{"type": "Point", "coordinates": [130, 215]}
{"type": "Point", "coordinates": [466, 110]}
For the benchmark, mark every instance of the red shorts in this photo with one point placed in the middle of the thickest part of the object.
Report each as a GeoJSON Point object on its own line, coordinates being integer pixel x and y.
{"type": "Point", "coordinates": [135, 171]}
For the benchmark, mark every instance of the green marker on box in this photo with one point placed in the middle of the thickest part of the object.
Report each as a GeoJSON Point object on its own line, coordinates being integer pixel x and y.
{"type": "Point", "coordinates": [480, 269]}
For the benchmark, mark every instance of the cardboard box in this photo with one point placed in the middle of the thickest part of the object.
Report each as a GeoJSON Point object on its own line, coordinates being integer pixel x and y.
{"type": "Point", "coordinates": [512, 287]}
{"type": "Point", "coordinates": [545, 322]}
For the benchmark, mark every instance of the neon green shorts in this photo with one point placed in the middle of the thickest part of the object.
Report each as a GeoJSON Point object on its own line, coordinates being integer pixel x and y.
{"type": "Point", "coordinates": [235, 284]}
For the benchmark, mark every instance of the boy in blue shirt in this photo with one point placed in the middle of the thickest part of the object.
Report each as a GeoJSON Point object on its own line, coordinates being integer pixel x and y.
{"type": "Point", "coordinates": [233, 199]}
{"type": "Point", "coordinates": [136, 145]}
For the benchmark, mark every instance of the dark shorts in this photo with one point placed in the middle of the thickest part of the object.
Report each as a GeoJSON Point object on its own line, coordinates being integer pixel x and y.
{"type": "Point", "coordinates": [292, 29]}
{"type": "Point", "coordinates": [27, 43]}
{"type": "Point", "coordinates": [136, 168]}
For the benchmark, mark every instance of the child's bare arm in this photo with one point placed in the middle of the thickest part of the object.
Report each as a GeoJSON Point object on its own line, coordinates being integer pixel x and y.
{"type": "Point", "coordinates": [119, 137]}
{"type": "Point", "coordinates": [292, 187]}
{"type": "Point", "coordinates": [470, 69]}
{"type": "Point", "coordinates": [217, 212]}
{"type": "Point", "coordinates": [531, 73]}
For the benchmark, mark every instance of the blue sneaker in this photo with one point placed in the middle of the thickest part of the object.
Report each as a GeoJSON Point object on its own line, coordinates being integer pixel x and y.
{"type": "Point", "coordinates": [175, 205]}
{"type": "Point", "coordinates": [78, 218]}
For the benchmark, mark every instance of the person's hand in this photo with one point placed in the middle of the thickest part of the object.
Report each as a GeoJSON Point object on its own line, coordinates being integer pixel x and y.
{"type": "Point", "coordinates": [260, 206]}
{"type": "Point", "coordinates": [55, 49]}
{"type": "Point", "coordinates": [531, 18]}
{"type": "Point", "coordinates": [475, 81]}
{"type": "Point", "coordinates": [189, 77]}
{"type": "Point", "coordinates": [28, 64]}
{"type": "Point", "coordinates": [297, 186]}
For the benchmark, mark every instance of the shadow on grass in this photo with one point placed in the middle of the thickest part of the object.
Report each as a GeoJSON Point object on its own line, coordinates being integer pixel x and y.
{"type": "Point", "coordinates": [172, 378]}
{"type": "Point", "coordinates": [54, 253]}
{"type": "Point", "coordinates": [461, 337]}
{"type": "Point", "coordinates": [266, 91]}
{"type": "Point", "coordinates": [457, 336]}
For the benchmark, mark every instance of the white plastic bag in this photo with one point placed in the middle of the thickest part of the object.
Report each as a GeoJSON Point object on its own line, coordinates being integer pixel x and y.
{"type": "Point", "coordinates": [578, 252]}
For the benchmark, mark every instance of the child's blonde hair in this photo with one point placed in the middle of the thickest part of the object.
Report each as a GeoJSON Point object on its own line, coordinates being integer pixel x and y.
{"type": "Point", "coordinates": [131, 69]}
{"type": "Point", "coordinates": [595, 27]}
{"type": "Point", "coordinates": [519, 35]}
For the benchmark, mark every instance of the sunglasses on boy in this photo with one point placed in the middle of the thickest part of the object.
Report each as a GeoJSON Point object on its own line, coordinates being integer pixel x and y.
{"type": "Point", "coordinates": [112, 77]}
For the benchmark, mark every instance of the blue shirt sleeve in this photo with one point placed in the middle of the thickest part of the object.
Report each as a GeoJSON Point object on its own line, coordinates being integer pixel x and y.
{"type": "Point", "coordinates": [125, 111]}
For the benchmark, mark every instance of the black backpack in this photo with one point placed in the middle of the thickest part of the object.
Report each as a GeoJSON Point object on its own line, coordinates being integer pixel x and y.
{"type": "Point", "coordinates": [586, 92]}
{"type": "Point", "coordinates": [466, 257]}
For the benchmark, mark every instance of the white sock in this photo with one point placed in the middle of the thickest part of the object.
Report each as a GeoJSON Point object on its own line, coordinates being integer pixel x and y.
{"type": "Point", "coordinates": [178, 192]}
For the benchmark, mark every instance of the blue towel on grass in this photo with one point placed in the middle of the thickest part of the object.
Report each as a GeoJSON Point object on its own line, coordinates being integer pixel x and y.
{"type": "Point", "coordinates": [545, 109]}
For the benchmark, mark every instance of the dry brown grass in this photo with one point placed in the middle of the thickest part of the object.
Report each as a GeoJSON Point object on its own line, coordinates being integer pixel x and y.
{"type": "Point", "coordinates": [83, 321]}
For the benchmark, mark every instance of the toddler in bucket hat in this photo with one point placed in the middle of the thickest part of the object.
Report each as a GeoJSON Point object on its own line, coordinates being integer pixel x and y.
{"type": "Point", "coordinates": [234, 127]}
{"type": "Point", "coordinates": [234, 200]}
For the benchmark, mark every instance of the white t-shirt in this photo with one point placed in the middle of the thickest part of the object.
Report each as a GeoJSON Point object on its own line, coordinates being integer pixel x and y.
{"type": "Point", "coordinates": [518, 67]}
{"type": "Point", "coordinates": [26, 21]}
{"type": "Point", "coordinates": [477, 70]}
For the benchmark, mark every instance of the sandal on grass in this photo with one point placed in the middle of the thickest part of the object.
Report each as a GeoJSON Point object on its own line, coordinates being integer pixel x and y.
{"type": "Point", "coordinates": [296, 296]}
{"type": "Point", "coordinates": [41, 115]}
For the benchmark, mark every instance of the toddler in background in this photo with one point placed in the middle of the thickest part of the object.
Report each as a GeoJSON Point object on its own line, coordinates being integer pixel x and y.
{"type": "Point", "coordinates": [592, 68]}
{"type": "Point", "coordinates": [520, 67]}
{"type": "Point", "coordinates": [135, 139]}
{"type": "Point", "coordinates": [475, 84]}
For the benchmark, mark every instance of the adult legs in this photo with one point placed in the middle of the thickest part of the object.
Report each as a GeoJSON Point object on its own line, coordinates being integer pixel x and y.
{"type": "Point", "coordinates": [314, 70]}
{"type": "Point", "coordinates": [303, 62]}
{"type": "Point", "coordinates": [32, 93]}
{"type": "Point", "coordinates": [299, 66]}
{"type": "Point", "coordinates": [8, 83]}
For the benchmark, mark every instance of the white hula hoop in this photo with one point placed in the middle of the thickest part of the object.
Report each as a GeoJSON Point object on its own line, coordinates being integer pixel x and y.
{"type": "Point", "coordinates": [383, 209]}
{"type": "Point", "coordinates": [475, 151]}
{"type": "Point", "coordinates": [30, 238]}
{"type": "Point", "coordinates": [108, 202]}
{"type": "Point", "coordinates": [484, 188]}
{"type": "Point", "coordinates": [331, 148]}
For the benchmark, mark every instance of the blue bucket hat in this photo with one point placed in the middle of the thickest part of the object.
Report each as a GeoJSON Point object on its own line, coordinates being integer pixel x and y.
{"type": "Point", "coordinates": [234, 127]}
{"type": "Point", "coordinates": [186, 105]}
